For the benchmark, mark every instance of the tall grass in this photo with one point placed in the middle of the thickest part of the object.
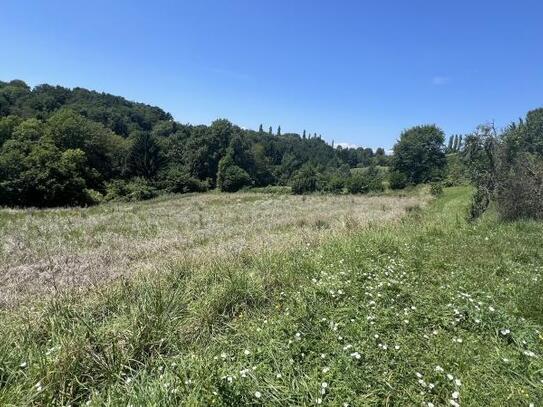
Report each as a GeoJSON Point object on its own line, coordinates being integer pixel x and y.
{"type": "Point", "coordinates": [47, 251]}
{"type": "Point", "coordinates": [430, 310]}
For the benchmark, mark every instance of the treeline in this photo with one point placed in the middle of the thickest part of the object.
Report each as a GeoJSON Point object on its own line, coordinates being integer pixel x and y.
{"type": "Point", "coordinates": [61, 146]}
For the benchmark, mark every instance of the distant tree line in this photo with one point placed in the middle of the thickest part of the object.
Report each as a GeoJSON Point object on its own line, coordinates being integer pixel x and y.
{"type": "Point", "coordinates": [61, 146]}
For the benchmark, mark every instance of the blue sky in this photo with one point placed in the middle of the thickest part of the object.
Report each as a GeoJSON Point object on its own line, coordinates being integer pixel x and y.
{"type": "Point", "coordinates": [357, 72]}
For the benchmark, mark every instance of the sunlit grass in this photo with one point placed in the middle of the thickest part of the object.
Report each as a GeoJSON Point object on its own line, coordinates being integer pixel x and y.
{"type": "Point", "coordinates": [427, 311]}
{"type": "Point", "coordinates": [43, 251]}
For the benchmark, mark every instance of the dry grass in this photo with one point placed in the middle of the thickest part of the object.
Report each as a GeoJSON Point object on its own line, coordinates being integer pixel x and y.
{"type": "Point", "coordinates": [44, 251]}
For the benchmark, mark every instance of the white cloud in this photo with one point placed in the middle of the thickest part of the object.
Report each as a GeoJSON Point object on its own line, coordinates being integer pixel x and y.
{"type": "Point", "coordinates": [440, 80]}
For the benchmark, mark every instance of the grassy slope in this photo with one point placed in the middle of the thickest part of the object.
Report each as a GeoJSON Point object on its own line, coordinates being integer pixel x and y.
{"type": "Point", "coordinates": [363, 320]}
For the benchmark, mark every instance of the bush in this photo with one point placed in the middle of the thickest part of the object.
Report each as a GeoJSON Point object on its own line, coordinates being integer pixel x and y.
{"type": "Point", "coordinates": [138, 189]}
{"type": "Point", "coordinates": [179, 181]}
{"type": "Point", "coordinates": [334, 184]}
{"type": "Point", "coordinates": [305, 181]}
{"type": "Point", "coordinates": [357, 184]}
{"type": "Point", "coordinates": [508, 169]}
{"type": "Point", "coordinates": [519, 192]}
{"type": "Point", "coordinates": [369, 181]}
{"type": "Point", "coordinates": [230, 177]}
{"type": "Point", "coordinates": [94, 197]}
{"type": "Point", "coordinates": [397, 180]}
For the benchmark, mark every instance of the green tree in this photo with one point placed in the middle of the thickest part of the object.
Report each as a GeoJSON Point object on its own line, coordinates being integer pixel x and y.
{"type": "Point", "coordinates": [304, 181]}
{"type": "Point", "coordinates": [144, 159]}
{"type": "Point", "coordinates": [230, 177]}
{"type": "Point", "coordinates": [418, 155]}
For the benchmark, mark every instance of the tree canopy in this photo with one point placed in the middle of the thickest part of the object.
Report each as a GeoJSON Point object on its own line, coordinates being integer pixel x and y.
{"type": "Point", "coordinates": [61, 146]}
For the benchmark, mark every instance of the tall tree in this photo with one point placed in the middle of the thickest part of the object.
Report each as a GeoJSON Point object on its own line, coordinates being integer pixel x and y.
{"type": "Point", "coordinates": [144, 158]}
{"type": "Point", "coordinates": [418, 155]}
{"type": "Point", "coordinates": [279, 130]}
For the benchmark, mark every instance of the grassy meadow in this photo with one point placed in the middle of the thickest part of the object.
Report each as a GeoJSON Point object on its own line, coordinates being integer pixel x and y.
{"type": "Point", "coordinates": [47, 251]}
{"type": "Point", "coordinates": [259, 299]}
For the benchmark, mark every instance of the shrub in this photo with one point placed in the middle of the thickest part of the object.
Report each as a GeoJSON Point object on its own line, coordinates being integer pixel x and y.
{"type": "Point", "coordinates": [305, 181]}
{"type": "Point", "coordinates": [230, 177]}
{"type": "Point", "coordinates": [137, 189]}
{"type": "Point", "coordinates": [334, 184]}
{"type": "Point", "coordinates": [519, 192]}
{"type": "Point", "coordinates": [177, 180]}
{"type": "Point", "coordinates": [397, 180]}
{"type": "Point", "coordinates": [357, 184]}
{"type": "Point", "coordinates": [508, 168]}
{"type": "Point", "coordinates": [361, 183]}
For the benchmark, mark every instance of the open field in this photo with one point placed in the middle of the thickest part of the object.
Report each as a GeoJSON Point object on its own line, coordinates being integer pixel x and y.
{"type": "Point", "coordinates": [49, 250]}
{"type": "Point", "coordinates": [427, 311]}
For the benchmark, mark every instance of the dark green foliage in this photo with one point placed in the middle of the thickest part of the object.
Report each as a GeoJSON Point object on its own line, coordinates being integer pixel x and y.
{"type": "Point", "coordinates": [456, 171]}
{"type": "Point", "coordinates": [357, 184]}
{"type": "Point", "coordinates": [40, 174]}
{"type": "Point", "coordinates": [508, 168]}
{"type": "Point", "coordinates": [304, 181]}
{"type": "Point", "coordinates": [519, 192]}
{"type": "Point", "coordinates": [397, 180]}
{"type": "Point", "coordinates": [419, 154]}
{"type": "Point", "coordinates": [177, 180]}
{"type": "Point", "coordinates": [369, 180]}
{"type": "Point", "coordinates": [118, 140]}
{"type": "Point", "coordinates": [137, 189]}
{"type": "Point", "coordinates": [144, 159]}
{"type": "Point", "coordinates": [334, 184]}
{"type": "Point", "coordinates": [231, 177]}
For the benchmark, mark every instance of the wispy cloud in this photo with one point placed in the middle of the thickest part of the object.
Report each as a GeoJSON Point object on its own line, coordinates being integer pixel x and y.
{"type": "Point", "coordinates": [440, 80]}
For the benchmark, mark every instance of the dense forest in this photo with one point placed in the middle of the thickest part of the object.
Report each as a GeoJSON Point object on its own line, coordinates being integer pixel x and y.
{"type": "Point", "coordinates": [61, 146]}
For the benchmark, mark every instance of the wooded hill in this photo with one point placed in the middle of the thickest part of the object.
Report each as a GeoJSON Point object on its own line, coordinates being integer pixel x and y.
{"type": "Point", "coordinates": [61, 146]}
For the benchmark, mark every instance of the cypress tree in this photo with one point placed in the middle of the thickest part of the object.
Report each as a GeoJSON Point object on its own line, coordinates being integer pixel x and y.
{"type": "Point", "coordinates": [270, 131]}
{"type": "Point", "coordinates": [279, 130]}
{"type": "Point", "coordinates": [450, 147]}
